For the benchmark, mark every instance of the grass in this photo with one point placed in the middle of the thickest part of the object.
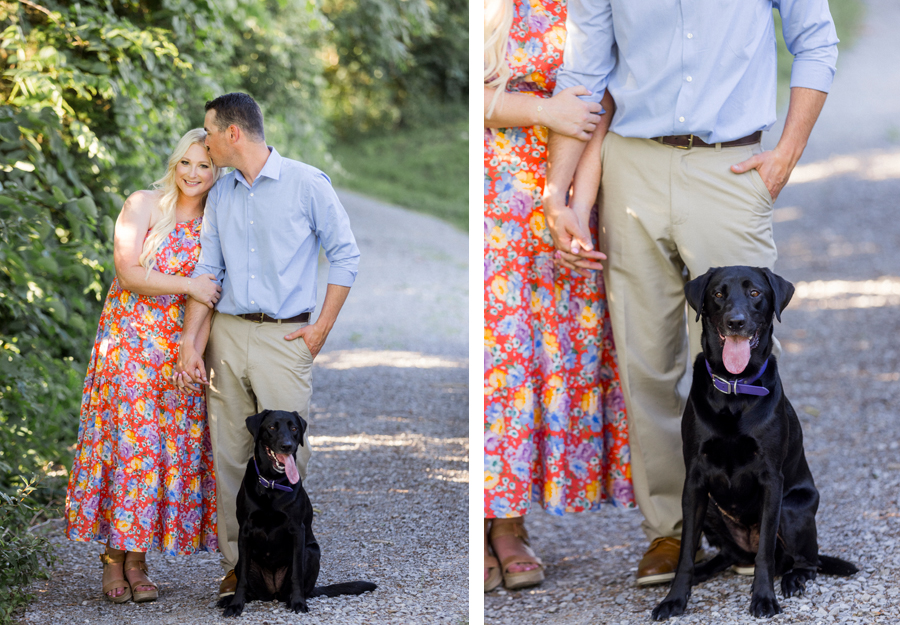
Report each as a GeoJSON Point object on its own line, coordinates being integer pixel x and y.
{"type": "Point", "coordinates": [847, 15]}
{"type": "Point", "coordinates": [424, 168]}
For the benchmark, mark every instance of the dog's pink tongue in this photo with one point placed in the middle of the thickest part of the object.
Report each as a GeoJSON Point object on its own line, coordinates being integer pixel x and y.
{"type": "Point", "coordinates": [736, 353]}
{"type": "Point", "coordinates": [290, 467]}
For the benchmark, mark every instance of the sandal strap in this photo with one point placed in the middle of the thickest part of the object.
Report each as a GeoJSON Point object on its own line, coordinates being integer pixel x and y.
{"type": "Point", "coordinates": [513, 527]}
{"type": "Point", "coordinates": [112, 558]}
{"type": "Point", "coordinates": [521, 559]}
{"type": "Point", "coordinates": [140, 565]}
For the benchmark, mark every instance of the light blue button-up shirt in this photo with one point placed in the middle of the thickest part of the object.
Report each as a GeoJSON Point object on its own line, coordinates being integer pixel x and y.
{"type": "Point", "coordinates": [702, 67]}
{"type": "Point", "coordinates": [261, 241]}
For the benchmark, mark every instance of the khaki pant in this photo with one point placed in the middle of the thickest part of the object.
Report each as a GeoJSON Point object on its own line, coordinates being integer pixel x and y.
{"type": "Point", "coordinates": [251, 368]}
{"type": "Point", "coordinates": [667, 216]}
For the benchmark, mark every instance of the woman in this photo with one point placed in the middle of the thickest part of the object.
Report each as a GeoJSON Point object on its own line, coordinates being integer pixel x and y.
{"type": "Point", "coordinates": [555, 430]}
{"type": "Point", "coordinates": [143, 475]}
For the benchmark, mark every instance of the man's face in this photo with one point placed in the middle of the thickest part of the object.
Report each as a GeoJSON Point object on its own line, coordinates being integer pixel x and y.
{"type": "Point", "coordinates": [216, 140]}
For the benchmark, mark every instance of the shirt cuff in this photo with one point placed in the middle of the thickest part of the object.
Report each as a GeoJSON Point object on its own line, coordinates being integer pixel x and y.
{"type": "Point", "coordinates": [199, 270]}
{"type": "Point", "coordinates": [566, 79]}
{"type": "Point", "coordinates": [812, 74]}
{"type": "Point", "coordinates": [341, 276]}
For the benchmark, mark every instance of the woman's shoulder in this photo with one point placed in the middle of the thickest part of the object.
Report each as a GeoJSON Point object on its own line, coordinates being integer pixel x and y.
{"type": "Point", "coordinates": [141, 202]}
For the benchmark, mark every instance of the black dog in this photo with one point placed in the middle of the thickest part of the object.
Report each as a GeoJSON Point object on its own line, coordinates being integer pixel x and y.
{"type": "Point", "coordinates": [278, 556]}
{"type": "Point", "coordinates": [747, 484]}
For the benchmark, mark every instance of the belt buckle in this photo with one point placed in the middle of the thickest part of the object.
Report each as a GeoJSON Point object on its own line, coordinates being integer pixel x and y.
{"type": "Point", "coordinates": [688, 146]}
{"type": "Point", "coordinates": [262, 318]}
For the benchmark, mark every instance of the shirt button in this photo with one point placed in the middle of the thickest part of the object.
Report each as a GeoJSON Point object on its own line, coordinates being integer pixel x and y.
{"type": "Point", "coordinates": [253, 276]}
{"type": "Point", "coordinates": [251, 195]}
{"type": "Point", "coordinates": [251, 222]}
{"type": "Point", "coordinates": [252, 302]}
{"type": "Point", "coordinates": [690, 36]}
{"type": "Point", "coordinates": [689, 79]}
{"type": "Point", "coordinates": [681, 119]}
{"type": "Point", "coordinates": [252, 250]}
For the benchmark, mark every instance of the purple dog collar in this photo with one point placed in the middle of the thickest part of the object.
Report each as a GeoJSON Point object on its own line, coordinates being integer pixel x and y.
{"type": "Point", "coordinates": [270, 483]}
{"type": "Point", "coordinates": [742, 386]}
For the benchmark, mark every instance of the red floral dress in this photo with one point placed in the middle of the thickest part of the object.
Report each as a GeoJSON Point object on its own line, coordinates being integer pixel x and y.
{"type": "Point", "coordinates": [554, 429]}
{"type": "Point", "coordinates": [143, 472]}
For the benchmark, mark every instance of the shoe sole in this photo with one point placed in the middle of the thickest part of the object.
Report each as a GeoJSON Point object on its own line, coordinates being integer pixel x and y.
{"type": "Point", "coordinates": [748, 570]}
{"type": "Point", "coordinates": [652, 580]}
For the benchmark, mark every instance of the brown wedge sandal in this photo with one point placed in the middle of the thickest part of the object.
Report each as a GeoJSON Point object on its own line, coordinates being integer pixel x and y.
{"type": "Point", "coordinates": [114, 584]}
{"type": "Point", "coordinates": [491, 563]}
{"type": "Point", "coordinates": [142, 595]}
{"type": "Point", "coordinates": [522, 579]}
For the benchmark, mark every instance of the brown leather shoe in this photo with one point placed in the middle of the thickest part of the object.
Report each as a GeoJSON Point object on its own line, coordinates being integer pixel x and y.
{"type": "Point", "coordinates": [659, 562]}
{"type": "Point", "coordinates": [228, 585]}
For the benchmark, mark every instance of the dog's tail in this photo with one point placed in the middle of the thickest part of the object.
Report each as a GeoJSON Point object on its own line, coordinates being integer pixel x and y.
{"type": "Point", "coordinates": [344, 588]}
{"type": "Point", "coordinates": [829, 565]}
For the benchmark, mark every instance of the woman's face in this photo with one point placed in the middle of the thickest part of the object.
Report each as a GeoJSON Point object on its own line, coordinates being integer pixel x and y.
{"type": "Point", "coordinates": [194, 172]}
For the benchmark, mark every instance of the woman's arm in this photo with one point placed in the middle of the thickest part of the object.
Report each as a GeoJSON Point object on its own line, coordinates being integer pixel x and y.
{"type": "Point", "coordinates": [586, 181]}
{"type": "Point", "coordinates": [565, 113]}
{"type": "Point", "coordinates": [131, 227]}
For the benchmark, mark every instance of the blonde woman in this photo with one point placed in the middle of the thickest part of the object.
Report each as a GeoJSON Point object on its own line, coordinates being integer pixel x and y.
{"type": "Point", "coordinates": [554, 427]}
{"type": "Point", "coordinates": [143, 473]}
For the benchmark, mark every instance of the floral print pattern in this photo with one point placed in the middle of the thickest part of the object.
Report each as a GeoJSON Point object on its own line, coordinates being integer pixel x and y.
{"type": "Point", "coordinates": [555, 428]}
{"type": "Point", "coordinates": [143, 473]}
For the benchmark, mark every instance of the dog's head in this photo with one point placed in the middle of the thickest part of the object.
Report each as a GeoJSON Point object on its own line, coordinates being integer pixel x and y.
{"type": "Point", "coordinates": [277, 434]}
{"type": "Point", "coordinates": [737, 305]}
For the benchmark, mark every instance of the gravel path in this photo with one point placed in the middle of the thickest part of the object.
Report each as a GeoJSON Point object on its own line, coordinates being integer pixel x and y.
{"type": "Point", "coordinates": [839, 241]}
{"type": "Point", "coordinates": [389, 475]}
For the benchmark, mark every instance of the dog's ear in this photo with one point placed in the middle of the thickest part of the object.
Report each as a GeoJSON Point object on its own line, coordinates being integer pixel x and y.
{"type": "Point", "coordinates": [301, 423]}
{"type": "Point", "coordinates": [782, 291]}
{"type": "Point", "coordinates": [695, 291]}
{"type": "Point", "coordinates": [254, 421]}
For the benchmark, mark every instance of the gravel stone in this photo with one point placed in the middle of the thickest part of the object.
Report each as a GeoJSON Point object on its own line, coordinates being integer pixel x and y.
{"type": "Point", "coordinates": [389, 476]}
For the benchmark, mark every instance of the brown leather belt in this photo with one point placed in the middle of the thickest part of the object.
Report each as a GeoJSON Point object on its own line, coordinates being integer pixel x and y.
{"type": "Point", "coordinates": [687, 142]}
{"type": "Point", "coordinates": [263, 317]}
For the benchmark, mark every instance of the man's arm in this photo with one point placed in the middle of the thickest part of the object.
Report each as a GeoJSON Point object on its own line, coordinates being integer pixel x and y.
{"type": "Point", "coordinates": [314, 334]}
{"type": "Point", "coordinates": [775, 166]}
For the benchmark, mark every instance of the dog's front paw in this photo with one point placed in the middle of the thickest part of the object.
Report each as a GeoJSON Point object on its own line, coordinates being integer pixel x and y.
{"type": "Point", "coordinates": [794, 581]}
{"type": "Point", "coordinates": [764, 607]}
{"type": "Point", "coordinates": [299, 605]}
{"type": "Point", "coordinates": [232, 607]}
{"type": "Point", "coordinates": [669, 607]}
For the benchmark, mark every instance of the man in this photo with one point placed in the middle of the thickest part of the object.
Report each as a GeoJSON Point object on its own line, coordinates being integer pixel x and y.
{"type": "Point", "coordinates": [262, 228]}
{"type": "Point", "coordinates": [685, 186]}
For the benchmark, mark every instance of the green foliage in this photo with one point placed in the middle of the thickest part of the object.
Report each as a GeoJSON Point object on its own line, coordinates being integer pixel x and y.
{"type": "Point", "coordinates": [386, 60]}
{"type": "Point", "coordinates": [421, 168]}
{"type": "Point", "coordinates": [23, 555]}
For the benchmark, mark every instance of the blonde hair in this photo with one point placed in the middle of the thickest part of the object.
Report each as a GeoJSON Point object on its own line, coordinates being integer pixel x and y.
{"type": "Point", "coordinates": [498, 19]}
{"type": "Point", "coordinates": [168, 200]}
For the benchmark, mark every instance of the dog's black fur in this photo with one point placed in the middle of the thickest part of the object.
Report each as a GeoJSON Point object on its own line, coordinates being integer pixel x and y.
{"type": "Point", "coordinates": [747, 484]}
{"type": "Point", "coordinates": [278, 556]}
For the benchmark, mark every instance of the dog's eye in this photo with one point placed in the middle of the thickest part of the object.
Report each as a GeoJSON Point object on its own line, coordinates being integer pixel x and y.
{"type": "Point", "coordinates": [293, 429]}
{"type": "Point", "coordinates": [719, 295]}
{"type": "Point", "coordinates": [754, 293]}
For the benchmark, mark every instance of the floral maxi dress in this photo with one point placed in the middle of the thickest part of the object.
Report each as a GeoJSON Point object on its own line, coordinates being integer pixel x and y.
{"type": "Point", "coordinates": [554, 428]}
{"type": "Point", "coordinates": [143, 473]}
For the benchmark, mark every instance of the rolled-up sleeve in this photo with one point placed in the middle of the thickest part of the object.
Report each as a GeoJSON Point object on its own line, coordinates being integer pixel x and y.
{"type": "Point", "coordinates": [211, 259]}
{"type": "Point", "coordinates": [811, 38]}
{"type": "Point", "coordinates": [590, 52]}
{"type": "Point", "coordinates": [332, 227]}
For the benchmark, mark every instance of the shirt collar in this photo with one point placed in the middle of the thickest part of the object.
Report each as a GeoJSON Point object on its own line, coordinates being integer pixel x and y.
{"type": "Point", "coordinates": [272, 168]}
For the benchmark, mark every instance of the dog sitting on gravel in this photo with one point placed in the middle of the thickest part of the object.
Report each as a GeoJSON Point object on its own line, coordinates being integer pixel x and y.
{"type": "Point", "coordinates": [747, 485]}
{"type": "Point", "coordinates": [278, 556]}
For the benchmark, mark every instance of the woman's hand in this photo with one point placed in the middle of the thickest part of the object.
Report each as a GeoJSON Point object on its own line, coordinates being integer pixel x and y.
{"type": "Point", "coordinates": [567, 114]}
{"type": "Point", "coordinates": [205, 289]}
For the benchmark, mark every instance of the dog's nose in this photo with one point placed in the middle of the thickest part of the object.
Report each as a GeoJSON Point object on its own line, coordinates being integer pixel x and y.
{"type": "Point", "coordinates": [286, 447]}
{"type": "Point", "coordinates": [736, 322]}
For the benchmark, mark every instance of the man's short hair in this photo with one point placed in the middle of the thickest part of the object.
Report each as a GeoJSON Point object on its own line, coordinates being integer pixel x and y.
{"type": "Point", "coordinates": [241, 110]}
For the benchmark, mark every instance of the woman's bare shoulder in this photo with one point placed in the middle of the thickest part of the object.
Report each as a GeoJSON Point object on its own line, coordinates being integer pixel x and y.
{"type": "Point", "coordinates": [141, 202]}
